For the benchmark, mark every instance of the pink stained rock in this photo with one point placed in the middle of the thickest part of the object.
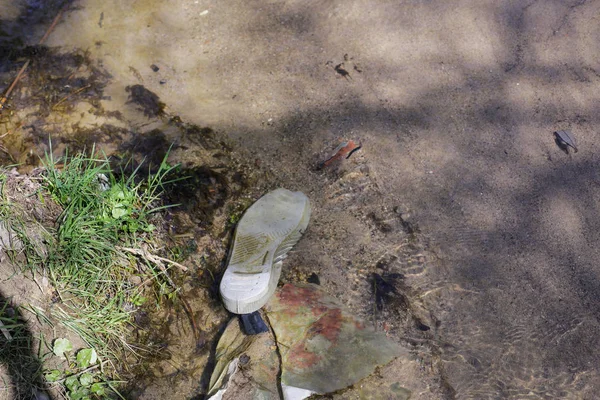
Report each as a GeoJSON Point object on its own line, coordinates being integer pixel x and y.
{"type": "Point", "coordinates": [323, 347]}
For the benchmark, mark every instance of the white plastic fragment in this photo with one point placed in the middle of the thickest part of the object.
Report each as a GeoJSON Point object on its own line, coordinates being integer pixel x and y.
{"type": "Point", "coordinates": [224, 381]}
{"type": "Point", "coordinates": [295, 393]}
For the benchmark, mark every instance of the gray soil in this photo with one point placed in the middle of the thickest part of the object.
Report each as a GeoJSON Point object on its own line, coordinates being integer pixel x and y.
{"type": "Point", "coordinates": [459, 186]}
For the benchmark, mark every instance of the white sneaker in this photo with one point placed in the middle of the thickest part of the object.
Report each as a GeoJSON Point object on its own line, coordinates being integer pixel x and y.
{"type": "Point", "coordinates": [264, 235]}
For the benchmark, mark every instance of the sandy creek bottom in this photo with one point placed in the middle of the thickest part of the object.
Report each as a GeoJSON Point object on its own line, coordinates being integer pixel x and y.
{"type": "Point", "coordinates": [475, 328]}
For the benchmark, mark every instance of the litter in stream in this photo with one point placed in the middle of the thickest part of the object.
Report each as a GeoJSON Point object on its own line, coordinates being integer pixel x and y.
{"type": "Point", "coordinates": [343, 151]}
{"type": "Point", "coordinates": [317, 344]}
{"type": "Point", "coordinates": [564, 140]}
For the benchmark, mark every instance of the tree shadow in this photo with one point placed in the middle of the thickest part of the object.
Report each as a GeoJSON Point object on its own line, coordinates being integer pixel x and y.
{"type": "Point", "coordinates": [489, 136]}
{"type": "Point", "coordinates": [17, 355]}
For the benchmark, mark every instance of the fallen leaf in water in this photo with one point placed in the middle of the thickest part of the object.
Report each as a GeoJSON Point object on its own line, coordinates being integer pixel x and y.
{"type": "Point", "coordinates": [344, 150]}
{"type": "Point", "coordinates": [565, 139]}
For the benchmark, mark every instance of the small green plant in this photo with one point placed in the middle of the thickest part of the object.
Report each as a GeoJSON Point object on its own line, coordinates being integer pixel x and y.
{"type": "Point", "coordinates": [182, 251]}
{"type": "Point", "coordinates": [237, 211]}
{"type": "Point", "coordinates": [82, 379]}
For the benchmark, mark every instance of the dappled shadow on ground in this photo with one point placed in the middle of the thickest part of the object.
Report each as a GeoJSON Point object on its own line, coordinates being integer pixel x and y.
{"type": "Point", "coordinates": [463, 133]}
{"type": "Point", "coordinates": [456, 106]}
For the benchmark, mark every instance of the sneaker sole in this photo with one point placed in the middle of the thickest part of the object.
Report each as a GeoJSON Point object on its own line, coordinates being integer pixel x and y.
{"type": "Point", "coordinates": [264, 235]}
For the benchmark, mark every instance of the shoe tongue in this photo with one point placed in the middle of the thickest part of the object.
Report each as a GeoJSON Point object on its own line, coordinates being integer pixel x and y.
{"type": "Point", "coordinates": [253, 323]}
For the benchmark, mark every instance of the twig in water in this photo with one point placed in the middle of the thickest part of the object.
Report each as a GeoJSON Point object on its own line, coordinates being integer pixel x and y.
{"type": "Point", "coordinates": [190, 314]}
{"type": "Point", "coordinates": [152, 258]}
{"type": "Point", "coordinates": [69, 95]}
{"type": "Point", "coordinates": [4, 98]}
{"type": "Point", "coordinates": [5, 150]}
{"type": "Point", "coordinates": [158, 261]}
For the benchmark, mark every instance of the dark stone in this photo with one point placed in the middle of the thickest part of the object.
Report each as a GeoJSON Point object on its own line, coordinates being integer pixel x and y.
{"type": "Point", "coordinates": [314, 278]}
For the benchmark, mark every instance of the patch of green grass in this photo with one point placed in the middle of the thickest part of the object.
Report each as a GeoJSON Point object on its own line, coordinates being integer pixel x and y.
{"type": "Point", "coordinates": [101, 213]}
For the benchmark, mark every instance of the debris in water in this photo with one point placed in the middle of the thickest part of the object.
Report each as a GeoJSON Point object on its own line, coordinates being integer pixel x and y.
{"type": "Point", "coordinates": [148, 101]}
{"type": "Point", "coordinates": [246, 367]}
{"type": "Point", "coordinates": [4, 99]}
{"type": "Point", "coordinates": [340, 70]}
{"type": "Point", "coordinates": [344, 150]}
{"type": "Point", "coordinates": [385, 290]}
{"type": "Point", "coordinates": [324, 347]}
{"type": "Point", "coordinates": [314, 278]}
{"type": "Point", "coordinates": [318, 347]}
{"type": "Point", "coordinates": [421, 326]}
{"type": "Point", "coordinates": [564, 140]}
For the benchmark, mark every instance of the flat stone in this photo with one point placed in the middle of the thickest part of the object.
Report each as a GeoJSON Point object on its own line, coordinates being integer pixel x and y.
{"type": "Point", "coordinates": [323, 347]}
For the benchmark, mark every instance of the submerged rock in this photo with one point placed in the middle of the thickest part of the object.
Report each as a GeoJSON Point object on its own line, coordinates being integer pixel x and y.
{"type": "Point", "coordinates": [323, 347]}
{"type": "Point", "coordinates": [377, 391]}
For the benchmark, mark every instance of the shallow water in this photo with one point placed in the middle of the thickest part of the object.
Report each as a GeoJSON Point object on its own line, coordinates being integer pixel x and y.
{"type": "Point", "coordinates": [459, 201]}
